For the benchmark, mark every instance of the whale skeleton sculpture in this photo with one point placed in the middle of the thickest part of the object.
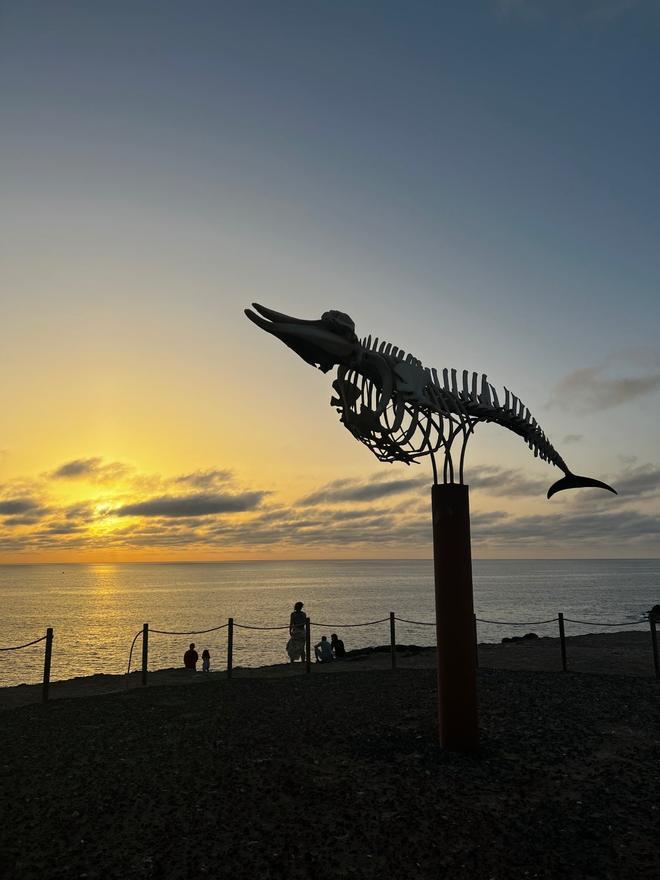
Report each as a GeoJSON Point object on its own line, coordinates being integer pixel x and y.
{"type": "Point", "coordinates": [402, 410]}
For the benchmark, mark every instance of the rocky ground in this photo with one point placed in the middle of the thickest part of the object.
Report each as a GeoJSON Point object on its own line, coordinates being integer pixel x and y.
{"type": "Point", "coordinates": [335, 775]}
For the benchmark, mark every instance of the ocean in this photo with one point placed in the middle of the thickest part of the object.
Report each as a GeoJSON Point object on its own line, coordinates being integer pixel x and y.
{"type": "Point", "coordinates": [96, 610]}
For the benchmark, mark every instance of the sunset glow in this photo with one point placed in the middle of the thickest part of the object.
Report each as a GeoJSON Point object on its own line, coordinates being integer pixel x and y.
{"type": "Point", "coordinates": [163, 171]}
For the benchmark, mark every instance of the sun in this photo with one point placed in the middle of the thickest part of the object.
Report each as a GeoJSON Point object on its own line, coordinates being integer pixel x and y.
{"type": "Point", "coordinates": [103, 521]}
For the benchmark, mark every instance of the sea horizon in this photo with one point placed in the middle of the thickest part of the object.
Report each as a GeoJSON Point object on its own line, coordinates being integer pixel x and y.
{"type": "Point", "coordinates": [339, 559]}
{"type": "Point", "coordinates": [96, 609]}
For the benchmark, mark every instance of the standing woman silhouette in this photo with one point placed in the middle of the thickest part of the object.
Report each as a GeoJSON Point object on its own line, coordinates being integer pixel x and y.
{"type": "Point", "coordinates": [297, 632]}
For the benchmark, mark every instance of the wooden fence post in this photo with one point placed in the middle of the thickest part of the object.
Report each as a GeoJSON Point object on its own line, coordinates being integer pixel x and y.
{"type": "Point", "coordinates": [654, 645]}
{"type": "Point", "coordinates": [476, 645]}
{"type": "Point", "coordinates": [393, 639]}
{"type": "Point", "coordinates": [230, 646]}
{"type": "Point", "coordinates": [145, 652]}
{"type": "Point", "coordinates": [47, 658]}
{"type": "Point", "coordinates": [562, 641]}
{"type": "Point", "coordinates": [308, 645]}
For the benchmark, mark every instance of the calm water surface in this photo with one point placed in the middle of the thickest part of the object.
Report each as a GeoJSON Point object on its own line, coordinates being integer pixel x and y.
{"type": "Point", "coordinates": [97, 609]}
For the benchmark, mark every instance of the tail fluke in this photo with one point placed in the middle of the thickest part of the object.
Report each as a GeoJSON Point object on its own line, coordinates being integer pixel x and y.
{"type": "Point", "coordinates": [572, 481]}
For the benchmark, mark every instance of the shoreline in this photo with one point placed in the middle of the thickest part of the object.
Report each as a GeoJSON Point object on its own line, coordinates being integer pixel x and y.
{"type": "Point", "coordinates": [627, 653]}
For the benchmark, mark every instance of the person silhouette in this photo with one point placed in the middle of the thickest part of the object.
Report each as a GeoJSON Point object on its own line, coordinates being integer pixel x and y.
{"type": "Point", "coordinates": [297, 633]}
{"type": "Point", "coordinates": [323, 651]}
{"type": "Point", "coordinates": [206, 660]}
{"type": "Point", "coordinates": [191, 657]}
{"type": "Point", "coordinates": [337, 646]}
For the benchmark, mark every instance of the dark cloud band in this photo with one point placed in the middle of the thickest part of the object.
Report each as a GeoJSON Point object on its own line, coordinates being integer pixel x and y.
{"type": "Point", "coordinates": [200, 504]}
{"type": "Point", "coordinates": [336, 493]}
{"type": "Point", "coordinates": [13, 506]}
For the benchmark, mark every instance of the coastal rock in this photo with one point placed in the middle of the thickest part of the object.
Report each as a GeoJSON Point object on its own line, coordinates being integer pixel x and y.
{"type": "Point", "coordinates": [528, 637]}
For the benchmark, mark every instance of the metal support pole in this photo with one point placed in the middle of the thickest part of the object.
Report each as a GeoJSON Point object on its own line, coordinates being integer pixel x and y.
{"type": "Point", "coordinates": [47, 658]}
{"type": "Point", "coordinates": [393, 639]}
{"type": "Point", "coordinates": [562, 640]}
{"type": "Point", "coordinates": [308, 645]}
{"type": "Point", "coordinates": [457, 678]}
{"type": "Point", "coordinates": [230, 645]}
{"type": "Point", "coordinates": [654, 644]}
{"type": "Point", "coordinates": [145, 652]}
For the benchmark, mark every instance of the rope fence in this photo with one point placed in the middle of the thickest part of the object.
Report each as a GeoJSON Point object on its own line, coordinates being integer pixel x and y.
{"type": "Point", "coordinates": [392, 619]}
{"type": "Point", "coordinates": [517, 622]}
{"type": "Point", "coordinates": [130, 653]}
{"type": "Point", "coordinates": [26, 645]}
{"type": "Point", "coordinates": [651, 619]}
{"type": "Point", "coordinates": [346, 625]}
{"type": "Point", "coordinates": [601, 623]}
{"type": "Point", "coordinates": [48, 653]}
{"type": "Point", "coordinates": [190, 632]}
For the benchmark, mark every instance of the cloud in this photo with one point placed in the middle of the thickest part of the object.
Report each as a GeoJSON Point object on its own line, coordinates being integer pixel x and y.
{"type": "Point", "coordinates": [487, 479]}
{"type": "Point", "coordinates": [199, 504]}
{"type": "Point", "coordinates": [290, 527]}
{"type": "Point", "coordinates": [205, 479]}
{"type": "Point", "coordinates": [372, 489]}
{"type": "Point", "coordinates": [60, 528]}
{"type": "Point", "coordinates": [638, 481]}
{"type": "Point", "coordinates": [589, 390]}
{"type": "Point", "coordinates": [26, 520]}
{"type": "Point", "coordinates": [82, 510]}
{"type": "Point", "coordinates": [94, 469]}
{"type": "Point", "coordinates": [379, 511]}
{"type": "Point", "coordinates": [572, 438]}
{"type": "Point", "coordinates": [568, 529]}
{"type": "Point", "coordinates": [10, 506]}
{"type": "Point", "coordinates": [347, 515]}
{"type": "Point", "coordinates": [506, 483]}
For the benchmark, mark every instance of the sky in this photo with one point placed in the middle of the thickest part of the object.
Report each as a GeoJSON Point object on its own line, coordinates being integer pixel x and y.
{"type": "Point", "coordinates": [476, 182]}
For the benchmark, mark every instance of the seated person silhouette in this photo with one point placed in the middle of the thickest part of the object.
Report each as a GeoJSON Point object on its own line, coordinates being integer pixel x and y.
{"type": "Point", "coordinates": [323, 651]}
{"type": "Point", "coordinates": [191, 657]}
{"type": "Point", "coordinates": [337, 646]}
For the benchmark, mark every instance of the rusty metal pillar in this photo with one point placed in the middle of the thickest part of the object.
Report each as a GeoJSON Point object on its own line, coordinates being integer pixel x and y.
{"type": "Point", "coordinates": [454, 614]}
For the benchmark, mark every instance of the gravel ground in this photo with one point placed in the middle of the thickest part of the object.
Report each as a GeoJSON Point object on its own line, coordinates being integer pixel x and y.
{"type": "Point", "coordinates": [338, 775]}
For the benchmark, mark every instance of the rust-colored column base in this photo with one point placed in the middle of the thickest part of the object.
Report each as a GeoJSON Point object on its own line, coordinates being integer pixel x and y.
{"type": "Point", "coordinates": [457, 674]}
